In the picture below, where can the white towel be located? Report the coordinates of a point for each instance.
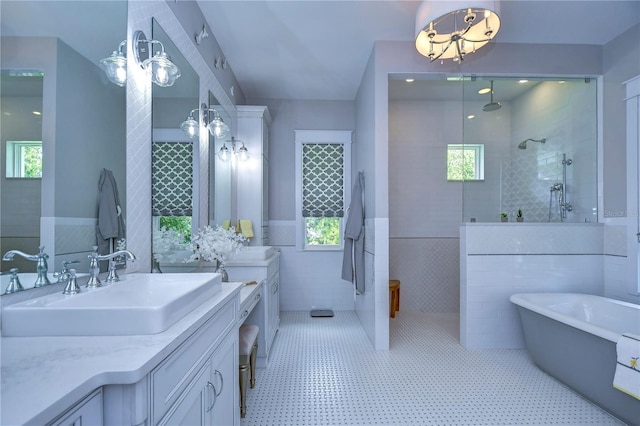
(627, 376)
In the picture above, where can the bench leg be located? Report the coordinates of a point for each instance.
(244, 378)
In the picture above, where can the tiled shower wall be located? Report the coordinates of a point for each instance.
(565, 115)
(428, 269)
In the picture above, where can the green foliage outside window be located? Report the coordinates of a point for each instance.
(461, 164)
(32, 157)
(181, 224)
(323, 231)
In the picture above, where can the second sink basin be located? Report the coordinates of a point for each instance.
(140, 304)
(254, 253)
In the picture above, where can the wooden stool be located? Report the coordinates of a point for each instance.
(394, 288)
(248, 346)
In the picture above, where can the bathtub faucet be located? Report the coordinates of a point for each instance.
(41, 264)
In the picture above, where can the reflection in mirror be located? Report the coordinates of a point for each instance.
(82, 126)
(219, 171)
(174, 161)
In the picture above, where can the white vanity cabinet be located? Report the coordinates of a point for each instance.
(253, 181)
(210, 397)
(265, 315)
(196, 384)
(86, 412)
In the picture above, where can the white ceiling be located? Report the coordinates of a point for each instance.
(310, 49)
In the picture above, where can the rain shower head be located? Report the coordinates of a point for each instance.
(492, 106)
(523, 144)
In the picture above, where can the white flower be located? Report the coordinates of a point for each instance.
(166, 242)
(215, 244)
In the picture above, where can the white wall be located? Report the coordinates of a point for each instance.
(308, 279)
(498, 260)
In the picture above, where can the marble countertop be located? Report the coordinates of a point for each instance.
(42, 376)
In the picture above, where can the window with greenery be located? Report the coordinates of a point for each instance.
(465, 162)
(322, 173)
(172, 190)
(24, 159)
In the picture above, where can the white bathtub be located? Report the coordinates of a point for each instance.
(573, 337)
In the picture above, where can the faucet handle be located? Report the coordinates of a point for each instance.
(72, 284)
(14, 283)
(66, 263)
(112, 276)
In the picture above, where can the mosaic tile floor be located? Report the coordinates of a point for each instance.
(323, 371)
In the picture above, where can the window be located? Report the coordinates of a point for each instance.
(24, 159)
(465, 162)
(172, 193)
(323, 160)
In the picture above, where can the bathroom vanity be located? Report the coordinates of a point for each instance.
(262, 266)
(186, 374)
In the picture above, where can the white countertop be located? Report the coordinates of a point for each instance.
(41, 376)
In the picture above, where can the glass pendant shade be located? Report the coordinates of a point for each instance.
(163, 72)
(224, 153)
(190, 127)
(243, 153)
(217, 127)
(115, 67)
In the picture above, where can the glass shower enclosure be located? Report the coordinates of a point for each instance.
(529, 149)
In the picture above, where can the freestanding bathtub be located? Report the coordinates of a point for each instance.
(573, 338)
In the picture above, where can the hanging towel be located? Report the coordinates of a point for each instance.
(110, 221)
(627, 376)
(226, 224)
(246, 228)
(353, 256)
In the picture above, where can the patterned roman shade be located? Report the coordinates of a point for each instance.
(322, 180)
(172, 178)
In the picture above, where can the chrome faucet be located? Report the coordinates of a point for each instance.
(14, 283)
(94, 268)
(72, 285)
(61, 276)
(41, 264)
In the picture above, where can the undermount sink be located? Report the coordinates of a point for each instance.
(140, 304)
(254, 253)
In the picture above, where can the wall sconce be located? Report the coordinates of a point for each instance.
(115, 66)
(191, 126)
(159, 65)
(241, 153)
(216, 125)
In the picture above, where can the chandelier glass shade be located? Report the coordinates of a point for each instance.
(445, 34)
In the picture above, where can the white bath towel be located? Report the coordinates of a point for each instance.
(627, 376)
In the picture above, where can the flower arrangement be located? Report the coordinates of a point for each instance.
(169, 245)
(215, 244)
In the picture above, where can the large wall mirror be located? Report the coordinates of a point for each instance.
(175, 160)
(220, 207)
(55, 94)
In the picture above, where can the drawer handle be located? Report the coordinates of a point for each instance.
(258, 296)
(245, 313)
(215, 396)
(217, 373)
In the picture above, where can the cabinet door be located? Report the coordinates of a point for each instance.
(86, 412)
(224, 367)
(195, 405)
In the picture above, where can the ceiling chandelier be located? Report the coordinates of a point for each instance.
(445, 34)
